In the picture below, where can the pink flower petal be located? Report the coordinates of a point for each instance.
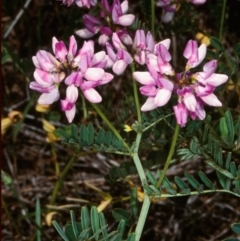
(92, 95)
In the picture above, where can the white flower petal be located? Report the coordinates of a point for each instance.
(149, 105)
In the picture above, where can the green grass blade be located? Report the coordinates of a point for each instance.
(38, 220)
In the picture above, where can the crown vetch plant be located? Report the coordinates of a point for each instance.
(184, 93)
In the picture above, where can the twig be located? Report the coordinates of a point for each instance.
(16, 19)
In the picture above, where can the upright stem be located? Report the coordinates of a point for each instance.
(113, 129)
(153, 18)
(58, 184)
(175, 135)
(135, 92)
(142, 217)
(84, 107)
(146, 201)
(222, 19)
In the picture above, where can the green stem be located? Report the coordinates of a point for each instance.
(57, 171)
(137, 161)
(196, 193)
(135, 92)
(59, 182)
(113, 129)
(153, 18)
(85, 115)
(222, 19)
(146, 201)
(142, 217)
(155, 122)
(170, 154)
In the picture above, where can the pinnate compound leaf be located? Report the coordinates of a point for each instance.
(219, 169)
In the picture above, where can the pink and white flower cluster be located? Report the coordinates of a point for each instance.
(169, 8)
(78, 69)
(109, 20)
(193, 89)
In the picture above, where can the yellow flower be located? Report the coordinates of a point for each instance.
(49, 128)
(13, 117)
(42, 108)
(203, 38)
(127, 128)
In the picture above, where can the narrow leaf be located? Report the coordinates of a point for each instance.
(236, 228)
(195, 184)
(230, 126)
(121, 228)
(219, 169)
(85, 218)
(131, 237)
(155, 190)
(74, 131)
(74, 224)
(233, 169)
(206, 180)
(90, 134)
(151, 178)
(108, 139)
(216, 44)
(94, 220)
(223, 127)
(60, 231)
(120, 214)
(83, 135)
(100, 137)
(103, 224)
(181, 184)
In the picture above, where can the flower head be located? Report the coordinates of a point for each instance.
(81, 70)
